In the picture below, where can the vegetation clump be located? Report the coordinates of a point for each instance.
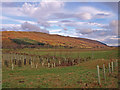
(26, 41)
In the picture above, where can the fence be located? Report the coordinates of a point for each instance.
(110, 68)
(21, 59)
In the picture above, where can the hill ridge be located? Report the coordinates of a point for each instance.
(51, 40)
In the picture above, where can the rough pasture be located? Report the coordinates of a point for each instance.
(72, 69)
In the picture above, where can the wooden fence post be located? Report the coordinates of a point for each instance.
(109, 68)
(104, 72)
(36, 65)
(73, 61)
(12, 66)
(59, 62)
(48, 65)
(112, 66)
(31, 64)
(54, 64)
(98, 75)
(42, 63)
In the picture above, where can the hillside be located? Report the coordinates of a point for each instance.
(18, 39)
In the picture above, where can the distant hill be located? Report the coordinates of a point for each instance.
(19, 39)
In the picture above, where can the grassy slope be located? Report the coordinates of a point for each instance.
(54, 40)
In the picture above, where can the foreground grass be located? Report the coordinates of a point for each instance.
(83, 75)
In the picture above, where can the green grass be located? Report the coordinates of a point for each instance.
(59, 77)
(83, 75)
(99, 54)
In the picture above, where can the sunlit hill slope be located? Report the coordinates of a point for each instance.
(19, 39)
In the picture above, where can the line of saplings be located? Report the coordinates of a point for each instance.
(44, 60)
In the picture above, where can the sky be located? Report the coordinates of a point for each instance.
(92, 20)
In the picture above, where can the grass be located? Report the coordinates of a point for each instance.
(83, 75)
(79, 76)
(74, 53)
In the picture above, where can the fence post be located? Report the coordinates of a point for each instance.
(54, 64)
(12, 66)
(73, 61)
(59, 63)
(42, 63)
(36, 66)
(109, 68)
(112, 66)
(23, 59)
(48, 65)
(104, 72)
(31, 64)
(98, 75)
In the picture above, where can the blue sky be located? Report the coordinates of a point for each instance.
(93, 20)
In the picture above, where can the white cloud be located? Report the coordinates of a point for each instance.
(43, 12)
(56, 30)
(31, 27)
(52, 22)
(26, 26)
(2, 17)
(12, 11)
(114, 38)
(28, 9)
(101, 15)
(84, 25)
(16, 20)
(112, 41)
(97, 24)
(10, 27)
(84, 16)
(84, 30)
(52, 10)
(91, 12)
(114, 26)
